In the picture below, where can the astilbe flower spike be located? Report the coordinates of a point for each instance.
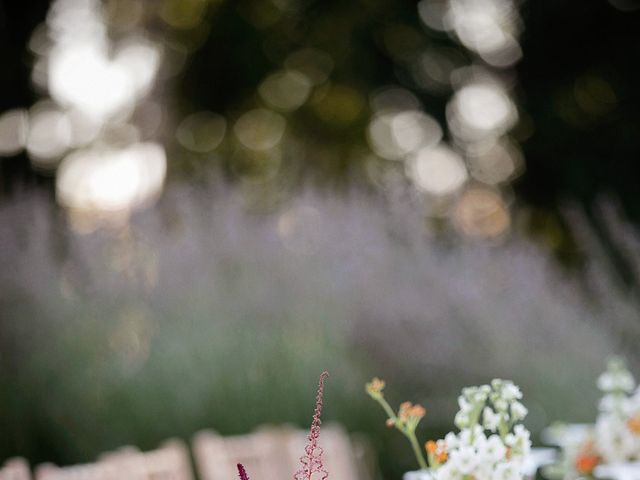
(242, 472)
(312, 459)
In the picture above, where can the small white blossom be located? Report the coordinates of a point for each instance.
(479, 396)
(618, 381)
(618, 471)
(468, 435)
(464, 404)
(493, 449)
(606, 382)
(464, 460)
(501, 405)
(518, 411)
(616, 378)
(507, 471)
(611, 403)
(468, 391)
(479, 441)
(511, 392)
(616, 443)
(451, 440)
(490, 419)
(522, 441)
(626, 382)
(448, 472)
(521, 432)
(484, 471)
(418, 475)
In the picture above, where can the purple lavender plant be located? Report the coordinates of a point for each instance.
(312, 459)
(242, 472)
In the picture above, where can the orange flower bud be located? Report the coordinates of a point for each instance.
(375, 386)
(431, 446)
(586, 463)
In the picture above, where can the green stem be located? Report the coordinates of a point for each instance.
(503, 429)
(474, 419)
(387, 408)
(410, 435)
(416, 449)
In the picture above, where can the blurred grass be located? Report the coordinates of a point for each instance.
(200, 315)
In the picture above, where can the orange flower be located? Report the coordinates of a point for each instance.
(586, 463)
(437, 450)
(408, 411)
(587, 460)
(634, 424)
(442, 457)
(375, 387)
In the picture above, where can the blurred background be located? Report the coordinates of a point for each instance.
(205, 203)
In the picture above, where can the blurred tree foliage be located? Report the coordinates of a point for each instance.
(577, 81)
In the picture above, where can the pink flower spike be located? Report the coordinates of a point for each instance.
(242, 472)
(312, 459)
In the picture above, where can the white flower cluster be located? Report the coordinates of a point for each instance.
(617, 430)
(491, 444)
(502, 395)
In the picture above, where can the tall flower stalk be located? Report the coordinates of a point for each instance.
(312, 459)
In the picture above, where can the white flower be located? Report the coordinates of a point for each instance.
(493, 449)
(468, 391)
(480, 396)
(618, 381)
(448, 472)
(464, 404)
(518, 411)
(501, 405)
(612, 403)
(484, 471)
(451, 440)
(521, 431)
(467, 435)
(471, 452)
(616, 442)
(490, 419)
(606, 381)
(479, 441)
(463, 460)
(418, 475)
(519, 441)
(616, 377)
(511, 392)
(507, 471)
(625, 382)
(618, 471)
